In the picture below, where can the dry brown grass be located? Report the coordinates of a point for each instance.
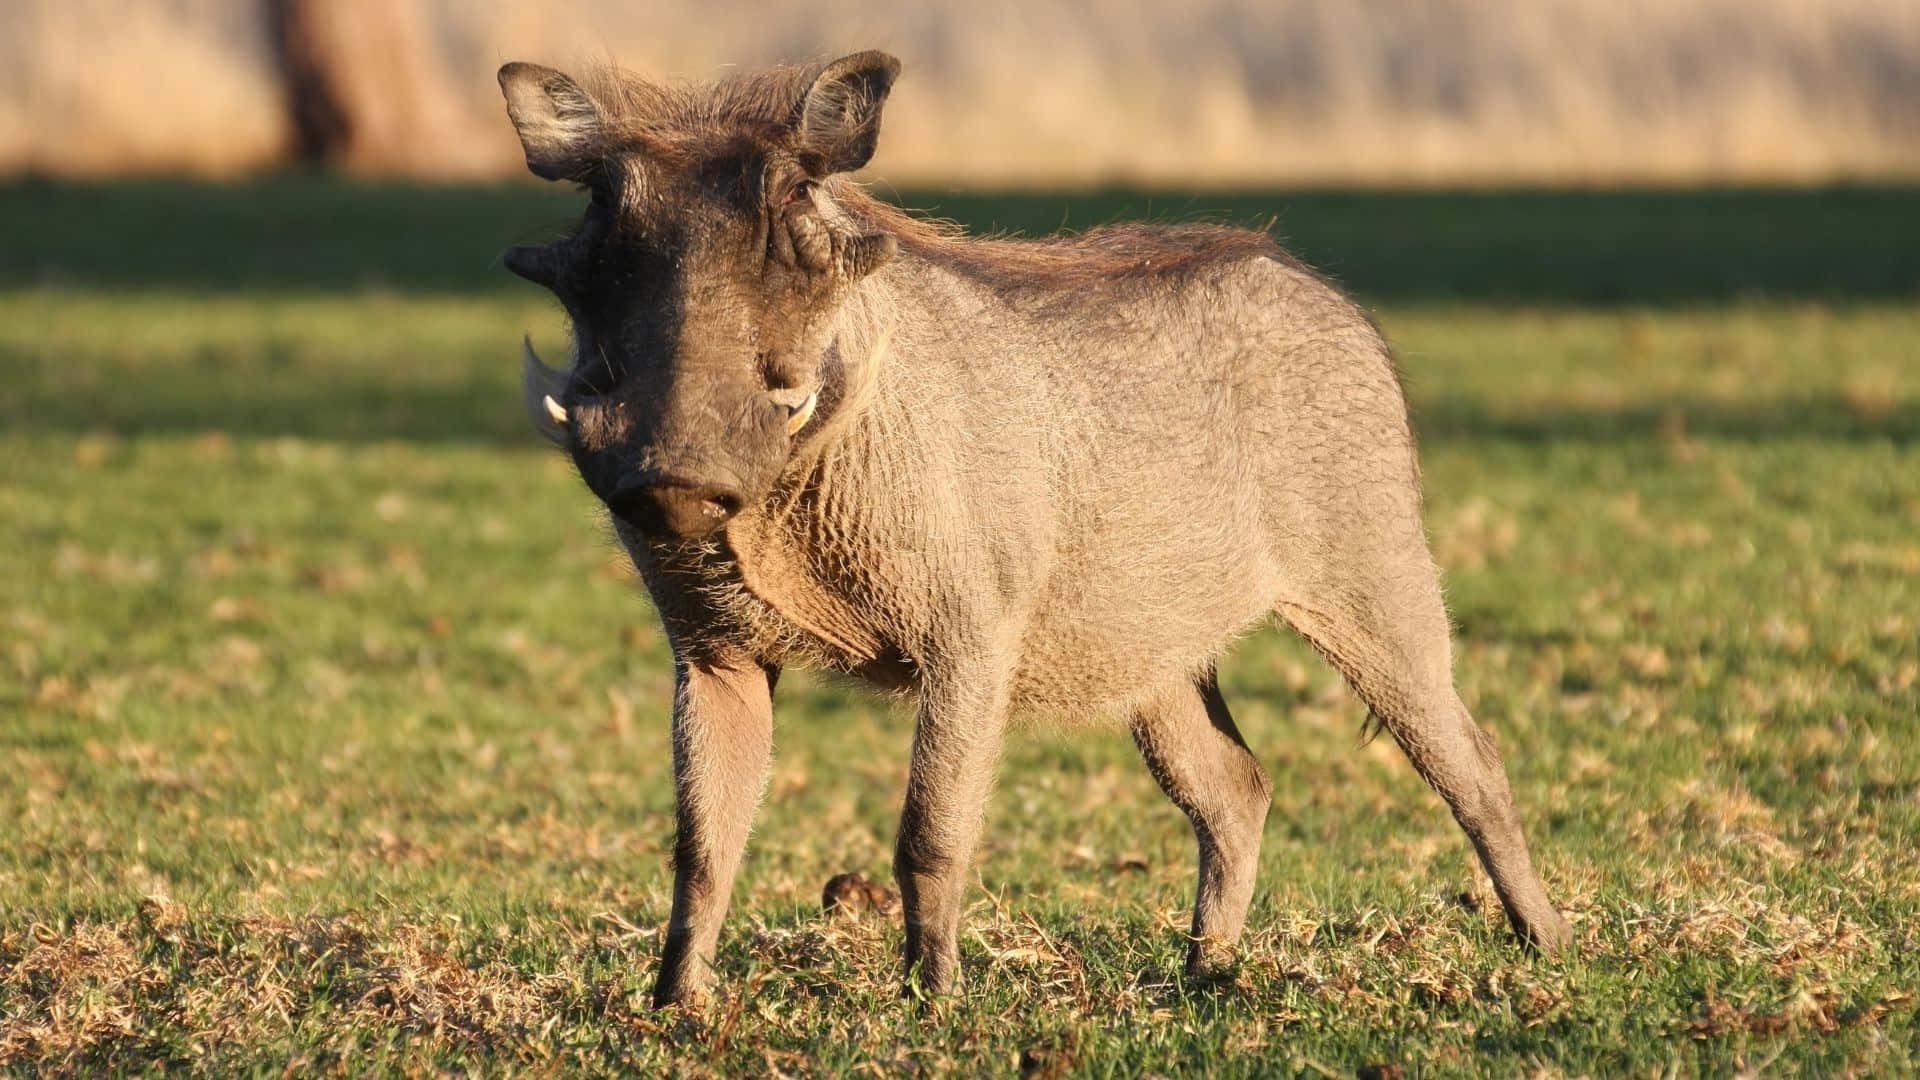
(206, 990)
(1220, 92)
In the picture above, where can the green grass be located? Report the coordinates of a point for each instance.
(332, 729)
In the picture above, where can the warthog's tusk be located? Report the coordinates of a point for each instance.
(554, 410)
(802, 413)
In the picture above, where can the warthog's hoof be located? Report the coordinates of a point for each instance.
(932, 974)
(1210, 961)
(686, 996)
(1550, 936)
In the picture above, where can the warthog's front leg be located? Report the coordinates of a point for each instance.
(722, 738)
(956, 749)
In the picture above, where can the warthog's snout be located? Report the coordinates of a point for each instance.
(674, 505)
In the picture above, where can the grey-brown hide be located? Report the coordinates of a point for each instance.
(1057, 475)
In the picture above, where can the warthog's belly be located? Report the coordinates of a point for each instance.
(1101, 648)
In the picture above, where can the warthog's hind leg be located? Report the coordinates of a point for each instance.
(1200, 761)
(1384, 626)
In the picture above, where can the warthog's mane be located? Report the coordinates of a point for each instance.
(1129, 253)
(690, 121)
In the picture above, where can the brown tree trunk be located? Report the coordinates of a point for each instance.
(366, 88)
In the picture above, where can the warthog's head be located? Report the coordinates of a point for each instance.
(703, 279)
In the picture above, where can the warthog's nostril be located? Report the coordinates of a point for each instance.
(679, 508)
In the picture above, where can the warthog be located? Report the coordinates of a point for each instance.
(1010, 476)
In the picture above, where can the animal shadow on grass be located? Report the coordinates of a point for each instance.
(1825, 416)
(311, 232)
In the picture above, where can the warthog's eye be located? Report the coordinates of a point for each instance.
(800, 192)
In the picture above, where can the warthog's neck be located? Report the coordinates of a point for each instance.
(791, 592)
(923, 489)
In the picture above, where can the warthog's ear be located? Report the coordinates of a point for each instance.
(838, 121)
(557, 121)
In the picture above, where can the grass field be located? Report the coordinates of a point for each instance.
(332, 728)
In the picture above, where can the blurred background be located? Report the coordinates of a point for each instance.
(1209, 93)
